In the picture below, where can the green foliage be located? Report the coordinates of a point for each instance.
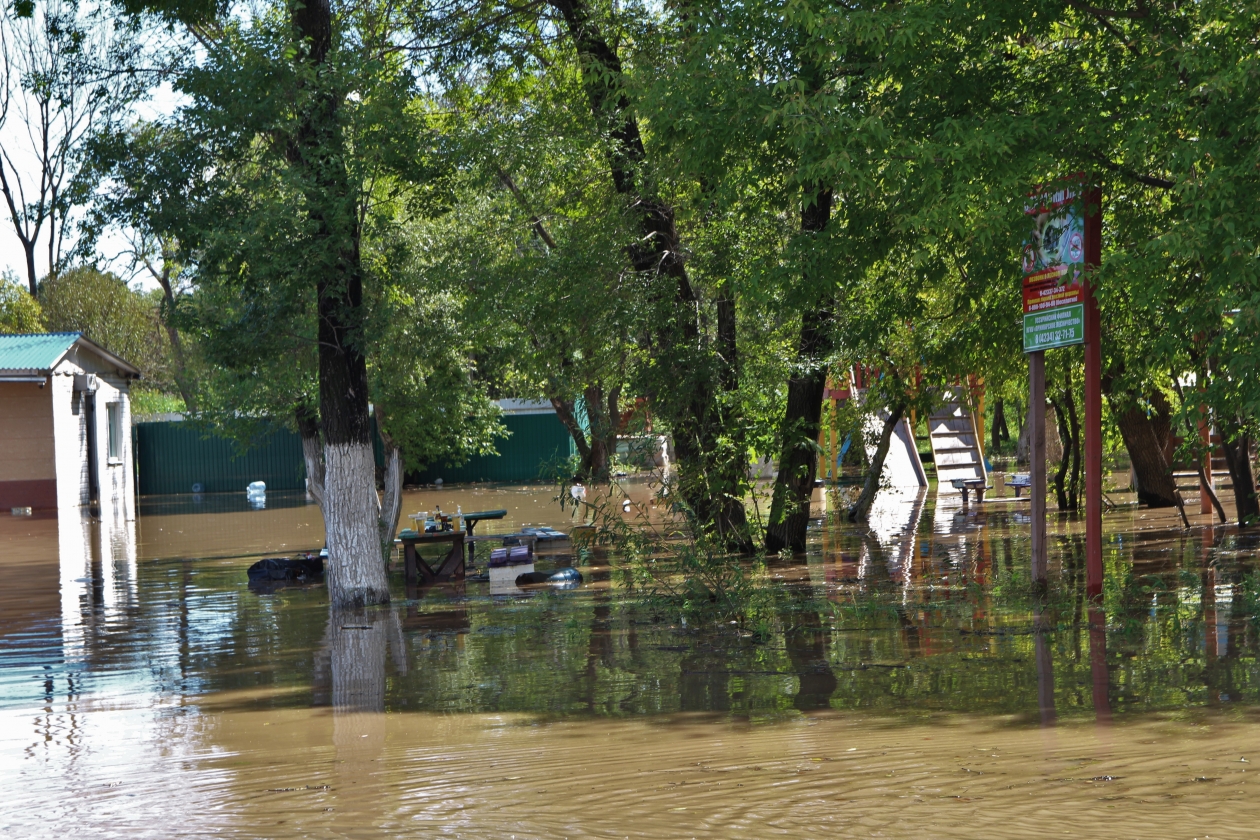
(105, 309)
(223, 182)
(496, 240)
(147, 401)
(19, 312)
(672, 565)
(423, 387)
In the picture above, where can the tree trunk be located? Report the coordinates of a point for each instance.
(351, 508)
(798, 464)
(732, 467)
(1146, 437)
(1237, 446)
(567, 414)
(356, 576)
(1000, 431)
(709, 481)
(596, 448)
(1023, 442)
(391, 496)
(603, 422)
(312, 453)
(1078, 440)
(861, 509)
(1060, 475)
(1067, 480)
(1155, 485)
(182, 381)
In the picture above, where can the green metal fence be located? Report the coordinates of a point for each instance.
(536, 444)
(177, 457)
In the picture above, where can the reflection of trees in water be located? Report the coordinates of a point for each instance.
(805, 639)
(599, 651)
(1177, 636)
(1045, 668)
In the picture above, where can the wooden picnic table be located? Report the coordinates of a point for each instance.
(471, 519)
(470, 522)
(419, 573)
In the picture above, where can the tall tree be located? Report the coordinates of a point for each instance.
(67, 72)
(710, 477)
(282, 162)
(316, 150)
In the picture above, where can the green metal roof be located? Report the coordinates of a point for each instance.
(36, 351)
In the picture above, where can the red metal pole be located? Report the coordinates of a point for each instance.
(1093, 401)
(1205, 435)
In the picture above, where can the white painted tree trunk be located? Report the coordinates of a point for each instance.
(391, 502)
(356, 575)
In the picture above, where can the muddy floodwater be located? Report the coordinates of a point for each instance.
(902, 683)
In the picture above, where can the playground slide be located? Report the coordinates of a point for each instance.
(902, 467)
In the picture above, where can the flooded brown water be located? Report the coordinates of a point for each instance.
(906, 686)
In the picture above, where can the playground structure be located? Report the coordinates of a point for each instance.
(955, 437)
(956, 443)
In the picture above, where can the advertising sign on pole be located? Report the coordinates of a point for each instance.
(1060, 310)
(1054, 269)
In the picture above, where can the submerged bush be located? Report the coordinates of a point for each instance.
(672, 564)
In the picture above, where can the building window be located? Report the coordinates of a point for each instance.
(114, 416)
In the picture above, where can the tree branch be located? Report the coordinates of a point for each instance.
(1101, 13)
(1147, 180)
(539, 229)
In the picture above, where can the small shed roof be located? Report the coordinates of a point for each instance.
(41, 352)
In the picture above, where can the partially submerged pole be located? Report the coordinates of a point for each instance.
(1093, 400)
(1037, 462)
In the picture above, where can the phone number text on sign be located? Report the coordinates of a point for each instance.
(1058, 327)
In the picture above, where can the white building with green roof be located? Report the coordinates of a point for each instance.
(65, 425)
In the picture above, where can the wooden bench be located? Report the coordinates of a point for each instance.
(968, 484)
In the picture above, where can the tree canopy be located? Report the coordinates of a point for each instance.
(691, 214)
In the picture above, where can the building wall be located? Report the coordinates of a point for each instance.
(69, 425)
(28, 475)
(116, 476)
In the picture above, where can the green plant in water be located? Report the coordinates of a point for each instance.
(671, 563)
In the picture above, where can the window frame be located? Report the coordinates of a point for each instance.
(113, 432)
